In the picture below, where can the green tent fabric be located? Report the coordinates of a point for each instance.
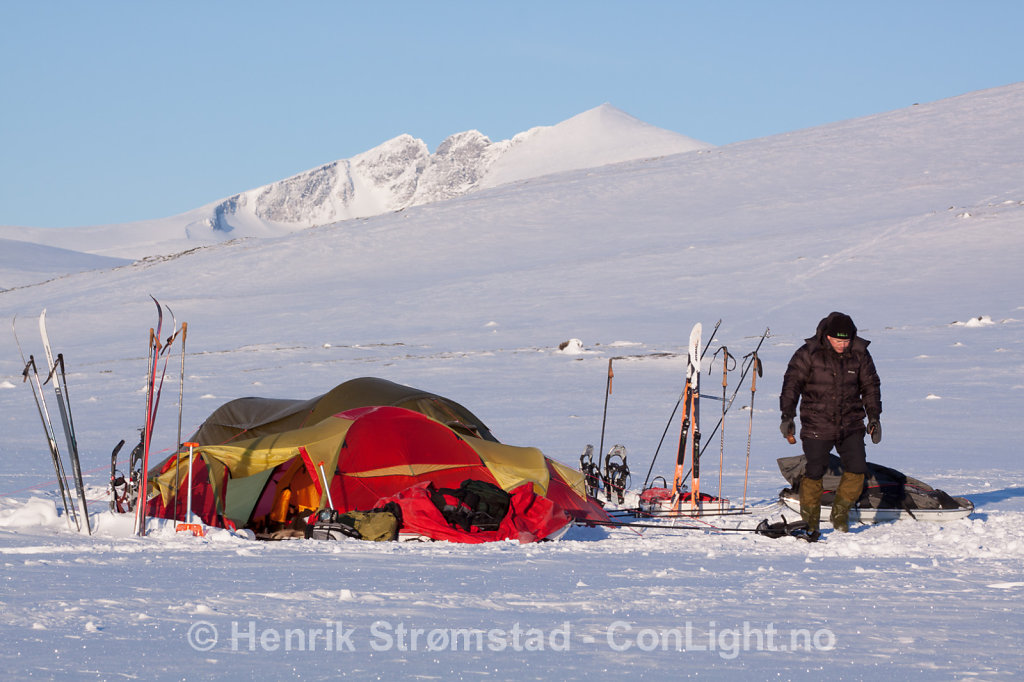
(246, 418)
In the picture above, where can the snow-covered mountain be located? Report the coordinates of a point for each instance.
(395, 175)
(402, 172)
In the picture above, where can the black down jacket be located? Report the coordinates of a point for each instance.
(835, 391)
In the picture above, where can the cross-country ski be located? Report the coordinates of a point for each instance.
(56, 375)
(30, 375)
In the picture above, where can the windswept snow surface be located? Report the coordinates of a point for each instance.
(24, 263)
(911, 221)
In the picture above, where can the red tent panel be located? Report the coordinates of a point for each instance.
(390, 449)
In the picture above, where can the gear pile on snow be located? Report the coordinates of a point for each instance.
(888, 494)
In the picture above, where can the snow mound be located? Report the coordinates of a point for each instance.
(31, 513)
(980, 321)
(571, 347)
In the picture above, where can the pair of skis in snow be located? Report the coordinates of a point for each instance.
(691, 421)
(691, 416)
(138, 486)
(55, 373)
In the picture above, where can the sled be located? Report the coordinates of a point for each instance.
(657, 502)
(888, 495)
(882, 515)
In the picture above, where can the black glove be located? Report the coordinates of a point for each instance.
(875, 429)
(787, 427)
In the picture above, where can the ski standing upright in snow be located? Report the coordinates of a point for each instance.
(154, 360)
(694, 361)
(668, 424)
(60, 387)
(154, 386)
(51, 438)
(690, 391)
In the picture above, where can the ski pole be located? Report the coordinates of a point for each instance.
(743, 375)
(607, 392)
(181, 393)
(177, 477)
(758, 371)
(76, 465)
(707, 528)
(191, 450)
(725, 382)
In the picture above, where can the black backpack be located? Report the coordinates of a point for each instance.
(473, 503)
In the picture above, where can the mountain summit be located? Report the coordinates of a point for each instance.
(402, 172)
(597, 137)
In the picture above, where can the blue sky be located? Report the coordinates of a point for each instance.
(120, 111)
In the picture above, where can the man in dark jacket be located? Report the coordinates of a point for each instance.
(833, 378)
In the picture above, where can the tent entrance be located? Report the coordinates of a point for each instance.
(289, 492)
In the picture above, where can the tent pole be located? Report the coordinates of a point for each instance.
(327, 486)
(191, 447)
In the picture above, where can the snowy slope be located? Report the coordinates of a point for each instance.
(397, 174)
(909, 220)
(23, 263)
(594, 138)
(130, 241)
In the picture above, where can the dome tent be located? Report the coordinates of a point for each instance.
(269, 467)
(245, 418)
